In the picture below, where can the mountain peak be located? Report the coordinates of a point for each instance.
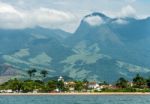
(103, 16)
(96, 19)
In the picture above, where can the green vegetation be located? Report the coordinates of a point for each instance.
(44, 73)
(79, 86)
(138, 84)
(139, 81)
(122, 83)
(31, 72)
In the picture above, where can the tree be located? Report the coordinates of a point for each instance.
(79, 85)
(122, 83)
(28, 86)
(52, 85)
(13, 84)
(31, 72)
(139, 81)
(44, 73)
(85, 84)
(148, 82)
(105, 83)
(85, 81)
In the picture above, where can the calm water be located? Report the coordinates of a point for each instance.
(75, 99)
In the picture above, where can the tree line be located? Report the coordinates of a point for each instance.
(137, 84)
(32, 72)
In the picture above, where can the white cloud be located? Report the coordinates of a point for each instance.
(130, 1)
(9, 16)
(7, 8)
(120, 21)
(94, 20)
(51, 18)
(12, 18)
(127, 11)
(30, 13)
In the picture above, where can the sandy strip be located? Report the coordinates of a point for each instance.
(45, 94)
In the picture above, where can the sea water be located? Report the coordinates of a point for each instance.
(100, 99)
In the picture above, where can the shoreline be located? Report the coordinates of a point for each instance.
(67, 94)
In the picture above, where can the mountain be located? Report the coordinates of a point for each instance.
(32, 48)
(125, 40)
(102, 48)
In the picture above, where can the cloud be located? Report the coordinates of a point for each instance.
(120, 21)
(9, 16)
(67, 13)
(12, 18)
(94, 20)
(127, 11)
(51, 18)
(130, 1)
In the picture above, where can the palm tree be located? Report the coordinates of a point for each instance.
(44, 73)
(31, 72)
(122, 83)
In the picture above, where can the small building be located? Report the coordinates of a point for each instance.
(57, 90)
(61, 78)
(109, 86)
(93, 85)
(70, 86)
(2, 91)
(130, 84)
(6, 91)
(35, 91)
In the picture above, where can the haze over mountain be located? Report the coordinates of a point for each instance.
(102, 48)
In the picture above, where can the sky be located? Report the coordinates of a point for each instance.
(65, 14)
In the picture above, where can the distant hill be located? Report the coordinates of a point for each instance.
(102, 48)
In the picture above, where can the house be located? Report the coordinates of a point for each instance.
(93, 85)
(56, 90)
(109, 86)
(6, 91)
(130, 84)
(70, 86)
(2, 91)
(35, 91)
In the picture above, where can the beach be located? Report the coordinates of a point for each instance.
(103, 93)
